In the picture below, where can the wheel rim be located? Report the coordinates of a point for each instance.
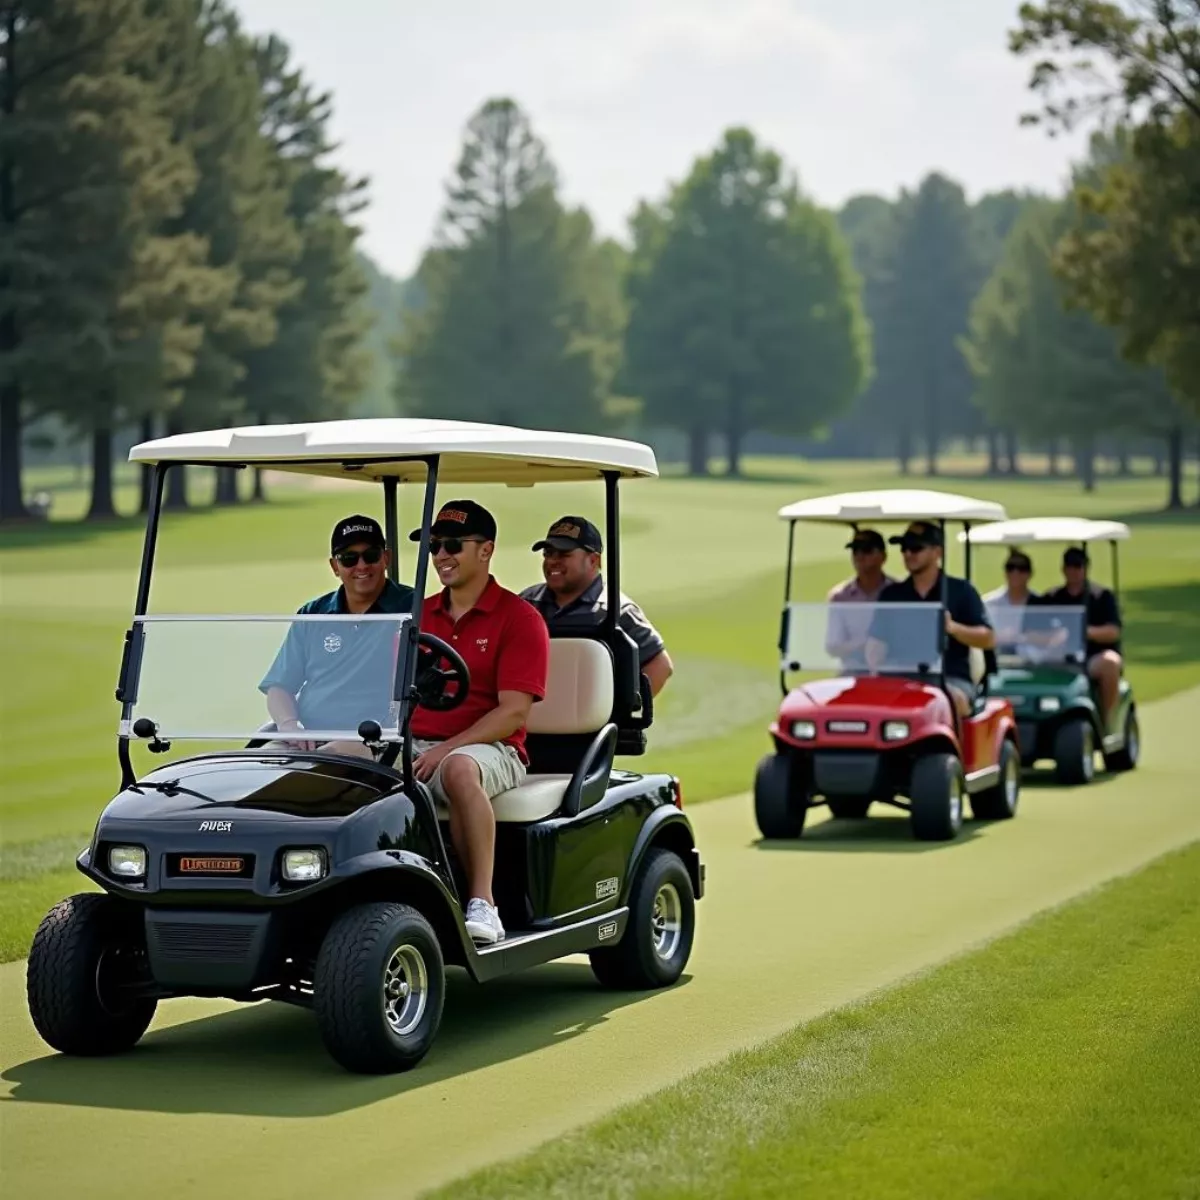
(666, 921)
(1012, 783)
(1088, 762)
(956, 801)
(110, 970)
(405, 989)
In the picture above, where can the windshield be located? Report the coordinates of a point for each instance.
(1033, 634)
(226, 678)
(863, 637)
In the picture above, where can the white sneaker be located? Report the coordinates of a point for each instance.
(483, 922)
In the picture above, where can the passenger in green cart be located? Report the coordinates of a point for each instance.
(1103, 632)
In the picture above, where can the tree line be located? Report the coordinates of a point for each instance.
(179, 253)
(177, 248)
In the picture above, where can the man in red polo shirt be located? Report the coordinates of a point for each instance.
(475, 751)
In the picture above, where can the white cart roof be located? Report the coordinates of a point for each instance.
(1035, 530)
(895, 504)
(375, 448)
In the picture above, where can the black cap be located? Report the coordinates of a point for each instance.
(350, 531)
(919, 533)
(1020, 560)
(461, 518)
(1075, 556)
(866, 539)
(572, 533)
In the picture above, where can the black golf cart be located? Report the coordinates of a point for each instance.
(328, 880)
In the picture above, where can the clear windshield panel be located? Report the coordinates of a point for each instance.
(863, 638)
(1035, 634)
(223, 678)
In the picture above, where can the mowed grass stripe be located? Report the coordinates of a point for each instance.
(1063, 1059)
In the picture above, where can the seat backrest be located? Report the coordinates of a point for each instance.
(579, 689)
(977, 664)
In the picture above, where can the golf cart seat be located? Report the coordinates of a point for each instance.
(577, 708)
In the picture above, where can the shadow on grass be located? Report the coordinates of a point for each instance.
(1042, 779)
(45, 535)
(1162, 623)
(878, 835)
(268, 1059)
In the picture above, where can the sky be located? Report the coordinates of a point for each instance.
(856, 95)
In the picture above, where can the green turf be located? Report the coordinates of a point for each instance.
(1063, 1060)
(703, 557)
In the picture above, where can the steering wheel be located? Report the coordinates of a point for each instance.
(431, 682)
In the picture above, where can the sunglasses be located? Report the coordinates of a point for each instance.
(915, 547)
(349, 558)
(1018, 567)
(451, 545)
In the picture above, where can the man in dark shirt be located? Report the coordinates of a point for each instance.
(966, 618)
(574, 595)
(336, 675)
(1103, 631)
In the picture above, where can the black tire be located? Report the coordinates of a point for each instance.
(936, 793)
(779, 805)
(1075, 752)
(81, 952)
(999, 803)
(658, 939)
(350, 996)
(1127, 757)
(849, 808)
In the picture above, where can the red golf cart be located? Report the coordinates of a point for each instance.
(866, 715)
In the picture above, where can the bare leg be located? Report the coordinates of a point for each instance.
(1105, 669)
(472, 822)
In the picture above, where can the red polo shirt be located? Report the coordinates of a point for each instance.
(506, 646)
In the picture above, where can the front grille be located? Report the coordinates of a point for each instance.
(212, 942)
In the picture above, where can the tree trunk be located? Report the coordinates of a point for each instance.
(698, 450)
(227, 486)
(904, 451)
(176, 489)
(147, 471)
(1052, 457)
(1175, 458)
(1124, 470)
(993, 452)
(1160, 460)
(12, 502)
(931, 454)
(101, 507)
(1012, 451)
(1085, 464)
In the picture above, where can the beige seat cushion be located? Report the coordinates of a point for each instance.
(540, 796)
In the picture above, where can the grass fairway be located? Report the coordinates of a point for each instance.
(703, 557)
(1062, 1060)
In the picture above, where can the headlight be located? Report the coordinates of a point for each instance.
(804, 730)
(1049, 704)
(303, 866)
(129, 862)
(895, 731)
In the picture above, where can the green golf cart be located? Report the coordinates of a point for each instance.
(1041, 660)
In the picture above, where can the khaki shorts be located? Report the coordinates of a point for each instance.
(500, 767)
